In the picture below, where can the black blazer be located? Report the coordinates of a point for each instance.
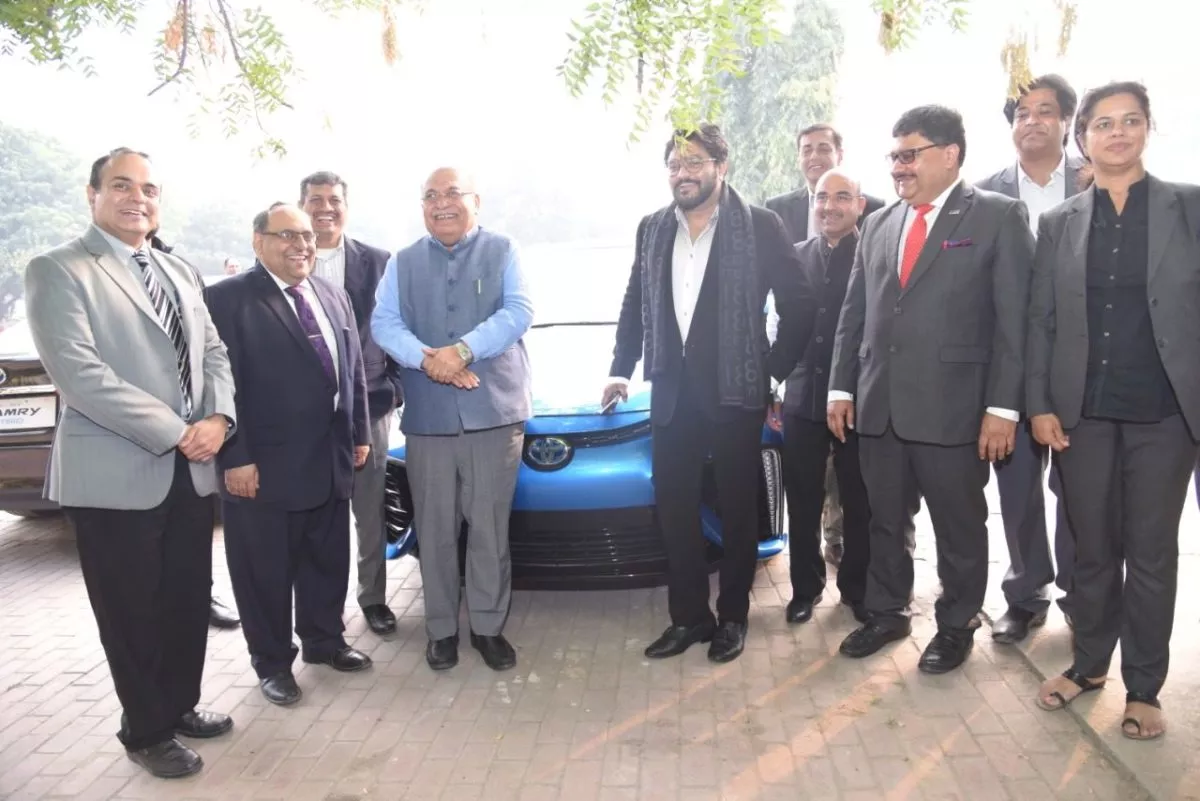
(930, 358)
(364, 269)
(792, 208)
(287, 423)
(1057, 349)
(779, 273)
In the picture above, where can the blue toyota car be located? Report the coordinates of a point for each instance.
(583, 513)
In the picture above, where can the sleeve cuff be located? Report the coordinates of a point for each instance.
(1007, 414)
(838, 395)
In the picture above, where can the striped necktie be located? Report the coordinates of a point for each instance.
(168, 315)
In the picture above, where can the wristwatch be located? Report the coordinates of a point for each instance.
(464, 351)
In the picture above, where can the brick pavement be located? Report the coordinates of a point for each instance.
(584, 716)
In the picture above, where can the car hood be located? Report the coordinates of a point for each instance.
(573, 398)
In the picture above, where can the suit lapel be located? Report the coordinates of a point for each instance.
(802, 206)
(1162, 216)
(1079, 227)
(277, 303)
(121, 274)
(333, 312)
(1008, 183)
(957, 206)
(354, 273)
(891, 234)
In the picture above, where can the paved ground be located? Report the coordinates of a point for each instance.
(584, 715)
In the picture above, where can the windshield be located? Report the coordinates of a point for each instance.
(572, 283)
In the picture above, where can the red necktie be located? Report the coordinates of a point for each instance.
(914, 243)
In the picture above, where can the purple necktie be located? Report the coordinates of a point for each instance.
(308, 321)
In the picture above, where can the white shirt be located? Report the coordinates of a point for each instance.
(931, 216)
(323, 323)
(1040, 199)
(688, 264)
(812, 216)
(331, 263)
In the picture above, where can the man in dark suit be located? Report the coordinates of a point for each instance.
(818, 150)
(807, 442)
(694, 309)
(928, 368)
(1042, 177)
(289, 470)
(357, 268)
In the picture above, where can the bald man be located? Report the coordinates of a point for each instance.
(452, 309)
(807, 442)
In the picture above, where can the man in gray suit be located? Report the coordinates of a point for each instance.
(1043, 176)
(928, 368)
(124, 334)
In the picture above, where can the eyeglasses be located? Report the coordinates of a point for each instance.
(839, 197)
(307, 237)
(907, 156)
(691, 164)
(431, 197)
(1105, 125)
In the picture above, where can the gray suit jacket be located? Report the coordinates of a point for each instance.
(930, 358)
(1057, 349)
(1006, 181)
(115, 369)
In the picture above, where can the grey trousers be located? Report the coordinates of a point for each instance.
(471, 476)
(831, 513)
(367, 505)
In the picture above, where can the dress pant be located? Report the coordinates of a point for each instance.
(148, 575)
(806, 449)
(271, 553)
(679, 451)
(471, 476)
(1125, 485)
(1020, 480)
(367, 504)
(1064, 544)
(831, 513)
(951, 479)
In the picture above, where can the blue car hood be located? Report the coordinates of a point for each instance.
(568, 397)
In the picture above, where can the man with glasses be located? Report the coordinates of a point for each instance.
(289, 470)
(694, 314)
(807, 443)
(928, 370)
(452, 310)
(818, 150)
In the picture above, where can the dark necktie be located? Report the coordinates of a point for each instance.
(168, 316)
(308, 321)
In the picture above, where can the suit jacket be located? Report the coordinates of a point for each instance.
(778, 272)
(302, 445)
(364, 269)
(115, 368)
(1007, 182)
(930, 358)
(1057, 350)
(792, 208)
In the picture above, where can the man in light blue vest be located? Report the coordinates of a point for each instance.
(451, 310)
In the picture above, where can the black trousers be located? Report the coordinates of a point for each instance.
(679, 450)
(1125, 485)
(272, 552)
(951, 479)
(148, 574)
(806, 446)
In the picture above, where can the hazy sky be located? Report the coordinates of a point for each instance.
(476, 85)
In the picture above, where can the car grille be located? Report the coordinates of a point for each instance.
(613, 436)
(612, 542)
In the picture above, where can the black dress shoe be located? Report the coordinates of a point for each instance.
(946, 651)
(677, 639)
(442, 654)
(874, 635)
(728, 642)
(800, 610)
(859, 608)
(1014, 625)
(495, 650)
(380, 618)
(280, 689)
(169, 759)
(221, 616)
(347, 660)
(203, 725)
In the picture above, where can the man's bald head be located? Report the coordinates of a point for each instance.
(451, 204)
(838, 203)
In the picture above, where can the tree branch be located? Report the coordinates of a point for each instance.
(223, 10)
(182, 12)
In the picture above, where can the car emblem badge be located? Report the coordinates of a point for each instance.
(548, 451)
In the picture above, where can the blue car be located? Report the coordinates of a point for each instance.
(583, 512)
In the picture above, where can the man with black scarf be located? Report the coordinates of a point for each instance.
(702, 270)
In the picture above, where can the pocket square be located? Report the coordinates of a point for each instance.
(956, 243)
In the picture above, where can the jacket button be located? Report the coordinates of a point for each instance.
(1153, 301)
(820, 340)
(821, 310)
(891, 349)
(451, 307)
(450, 281)
(896, 310)
(452, 334)
(819, 371)
(1162, 343)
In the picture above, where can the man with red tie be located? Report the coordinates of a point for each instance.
(928, 369)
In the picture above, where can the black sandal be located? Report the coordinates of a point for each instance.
(1148, 700)
(1081, 681)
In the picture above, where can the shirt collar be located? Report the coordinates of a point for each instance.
(340, 248)
(122, 251)
(467, 239)
(941, 199)
(1059, 172)
(283, 285)
(681, 218)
